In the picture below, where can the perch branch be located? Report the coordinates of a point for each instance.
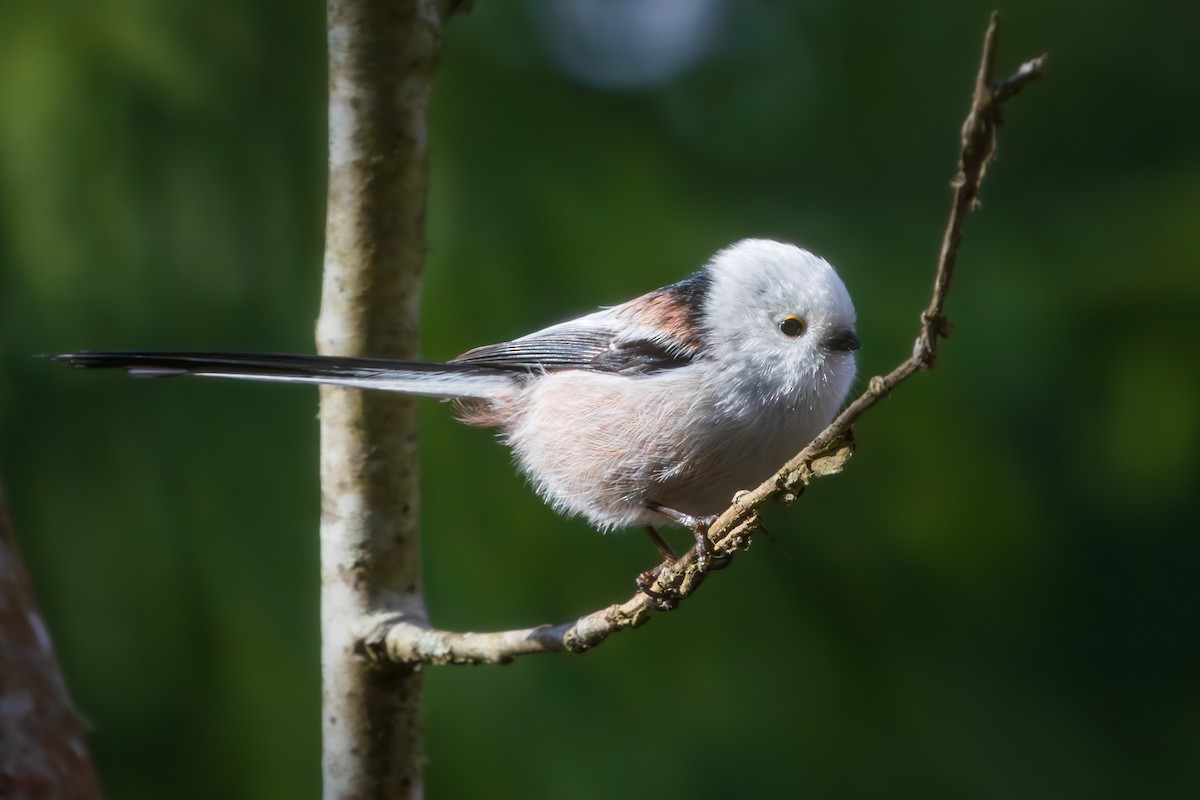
(408, 641)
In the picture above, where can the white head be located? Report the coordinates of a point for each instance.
(780, 322)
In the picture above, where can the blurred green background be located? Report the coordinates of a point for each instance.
(999, 597)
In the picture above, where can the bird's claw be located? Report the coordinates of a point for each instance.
(705, 560)
(658, 600)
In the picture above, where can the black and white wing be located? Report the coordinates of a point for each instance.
(657, 331)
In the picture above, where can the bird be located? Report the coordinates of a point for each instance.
(654, 411)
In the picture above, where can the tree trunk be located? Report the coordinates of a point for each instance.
(382, 56)
(43, 751)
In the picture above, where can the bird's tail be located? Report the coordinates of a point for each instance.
(452, 380)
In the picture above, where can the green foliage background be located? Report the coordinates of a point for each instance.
(998, 599)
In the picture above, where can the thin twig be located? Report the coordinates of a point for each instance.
(409, 641)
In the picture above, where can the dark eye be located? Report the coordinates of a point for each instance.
(792, 326)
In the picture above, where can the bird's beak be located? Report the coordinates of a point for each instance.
(841, 340)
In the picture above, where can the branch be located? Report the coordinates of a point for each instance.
(382, 57)
(43, 749)
(407, 640)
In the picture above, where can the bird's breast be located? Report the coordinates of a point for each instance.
(602, 445)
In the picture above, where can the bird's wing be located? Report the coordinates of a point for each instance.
(645, 335)
(591, 349)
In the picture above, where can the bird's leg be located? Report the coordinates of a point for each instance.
(662, 601)
(699, 527)
(661, 544)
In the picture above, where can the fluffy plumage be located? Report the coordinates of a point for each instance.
(675, 399)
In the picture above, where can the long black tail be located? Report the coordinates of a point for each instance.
(409, 377)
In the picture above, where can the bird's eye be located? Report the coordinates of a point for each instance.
(792, 326)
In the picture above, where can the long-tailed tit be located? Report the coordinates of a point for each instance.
(658, 409)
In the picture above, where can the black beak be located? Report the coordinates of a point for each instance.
(841, 340)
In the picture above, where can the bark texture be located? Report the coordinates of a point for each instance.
(43, 750)
(382, 56)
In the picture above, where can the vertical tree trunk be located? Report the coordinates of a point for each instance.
(43, 752)
(382, 56)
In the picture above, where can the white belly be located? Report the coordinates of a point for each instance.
(602, 445)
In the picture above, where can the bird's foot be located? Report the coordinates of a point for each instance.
(659, 600)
